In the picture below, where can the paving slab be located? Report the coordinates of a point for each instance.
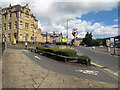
(19, 71)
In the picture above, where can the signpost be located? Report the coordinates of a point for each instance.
(108, 44)
(64, 39)
(112, 42)
(32, 38)
(74, 33)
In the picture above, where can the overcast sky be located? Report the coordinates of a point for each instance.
(98, 17)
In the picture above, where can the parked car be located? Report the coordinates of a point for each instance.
(48, 46)
(101, 46)
(93, 47)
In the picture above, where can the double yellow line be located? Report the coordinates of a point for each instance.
(106, 69)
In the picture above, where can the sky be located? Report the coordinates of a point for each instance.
(99, 17)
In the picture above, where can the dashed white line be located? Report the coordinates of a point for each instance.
(37, 57)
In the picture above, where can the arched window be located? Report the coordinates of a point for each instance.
(26, 13)
(10, 14)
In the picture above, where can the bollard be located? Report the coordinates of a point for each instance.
(108, 49)
(88, 62)
(65, 60)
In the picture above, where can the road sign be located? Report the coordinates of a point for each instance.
(74, 33)
(32, 38)
(64, 39)
(107, 42)
(112, 42)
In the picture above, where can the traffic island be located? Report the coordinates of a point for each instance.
(63, 55)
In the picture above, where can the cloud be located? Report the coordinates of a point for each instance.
(48, 12)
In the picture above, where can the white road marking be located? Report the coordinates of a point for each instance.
(90, 72)
(37, 57)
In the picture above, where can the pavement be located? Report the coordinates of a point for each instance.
(19, 71)
(111, 52)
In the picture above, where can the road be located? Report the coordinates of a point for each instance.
(70, 69)
(102, 58)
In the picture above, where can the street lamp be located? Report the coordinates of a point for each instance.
(67, 29)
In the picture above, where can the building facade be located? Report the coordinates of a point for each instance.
(18, 25)
(51, 37)
(78, 41)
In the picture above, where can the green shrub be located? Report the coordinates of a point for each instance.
(83, 57)
(64, 52)
(61, 43)
(67, 52)
(58, 43)
(40, 48)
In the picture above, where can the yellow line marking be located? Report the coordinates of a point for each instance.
(96, 64)
(105, 68)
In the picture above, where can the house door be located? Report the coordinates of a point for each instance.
(14, 39)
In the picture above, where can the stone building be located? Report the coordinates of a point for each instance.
(19, 24)
(51, 37)
(78, 41)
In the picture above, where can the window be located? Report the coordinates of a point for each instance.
(9, 25)
(16, 14)
(4, 26)
(0, 16)
(26, 37)
(10, 15)
(5, 17)
(21, 14)
(31, 28)
(9, 37)
(26, 15)
(26, 26)
(20, 24)
(5, 11)
(14, 8)
(35, 30)
(15, 24)
(20, 37)
(0, 27)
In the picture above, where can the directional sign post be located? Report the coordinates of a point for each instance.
(32, 38)
(74, 33)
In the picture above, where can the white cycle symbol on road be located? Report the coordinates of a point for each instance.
(91, 72)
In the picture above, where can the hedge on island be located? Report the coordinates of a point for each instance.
(84, 59)
(64, 52)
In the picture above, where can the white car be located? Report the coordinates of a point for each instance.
(93, 47)
(100, 46)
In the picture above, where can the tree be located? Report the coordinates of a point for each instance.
(88, 39)
(96, 42)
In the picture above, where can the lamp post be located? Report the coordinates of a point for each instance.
(67, 29)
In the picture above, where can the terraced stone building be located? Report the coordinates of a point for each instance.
(19, 24)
